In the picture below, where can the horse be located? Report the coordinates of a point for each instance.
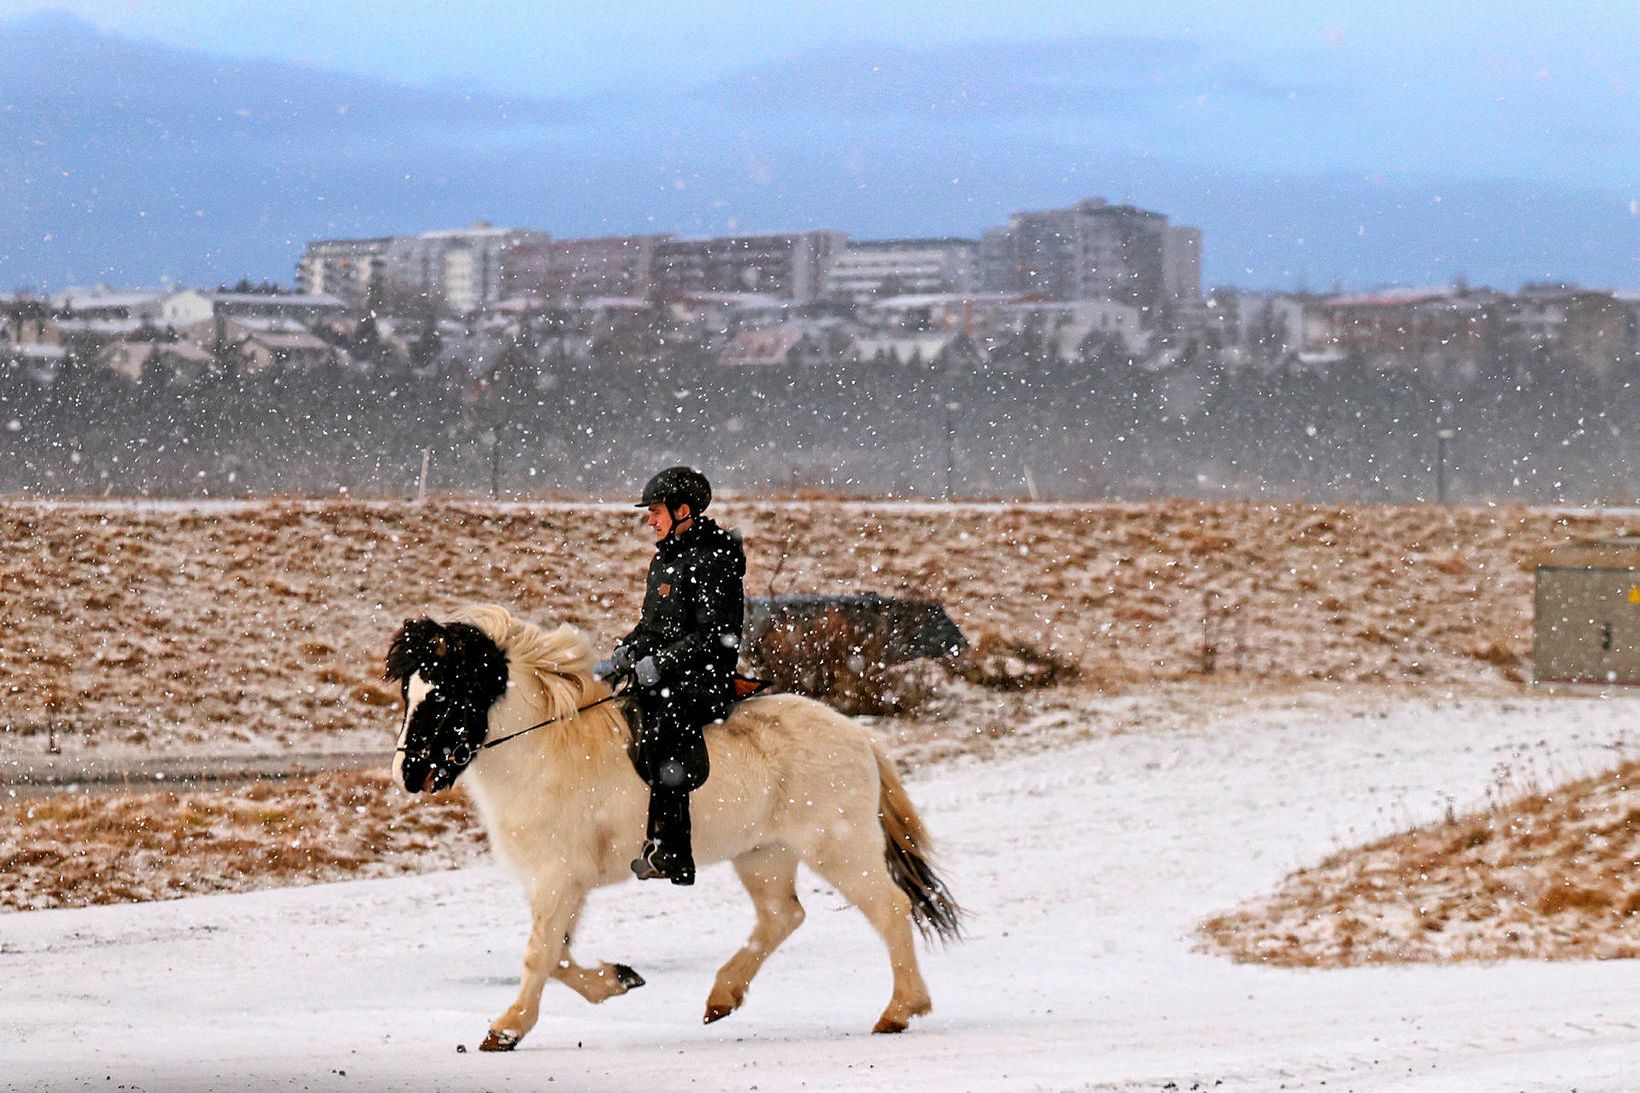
(543, 749)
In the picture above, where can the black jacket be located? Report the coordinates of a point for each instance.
(694, 605)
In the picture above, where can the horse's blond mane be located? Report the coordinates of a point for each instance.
(560, 660)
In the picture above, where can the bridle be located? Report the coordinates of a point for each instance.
(466, 751)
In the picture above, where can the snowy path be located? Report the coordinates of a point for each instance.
(1086, 871)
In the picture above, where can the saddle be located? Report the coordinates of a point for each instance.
(632, 709)
(746, 687)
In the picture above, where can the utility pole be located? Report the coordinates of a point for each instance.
(950, 447)
(495, 464)
(1441, 437)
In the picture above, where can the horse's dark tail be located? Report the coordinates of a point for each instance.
(934, 912)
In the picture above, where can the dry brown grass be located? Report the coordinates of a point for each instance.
(260, 628)
(1543, 876)
(208, 627)
(72, 851)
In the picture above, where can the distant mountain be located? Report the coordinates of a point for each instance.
(126, 162)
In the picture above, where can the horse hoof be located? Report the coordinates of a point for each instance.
(628, 978)
(716, 1013)
(888, 1025)
(499, 1041)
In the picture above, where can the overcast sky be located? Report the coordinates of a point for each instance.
(1533, 101)
(1508, 89)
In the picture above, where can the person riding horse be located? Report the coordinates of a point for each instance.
(680, 659)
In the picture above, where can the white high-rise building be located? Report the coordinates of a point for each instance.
(344, 268)
(1097, 251)
(458, 269)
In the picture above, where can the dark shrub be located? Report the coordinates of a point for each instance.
(843, 662)
(1006, 665)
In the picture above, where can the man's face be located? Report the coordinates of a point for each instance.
(661, 520)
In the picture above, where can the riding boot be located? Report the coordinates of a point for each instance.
(666, 851)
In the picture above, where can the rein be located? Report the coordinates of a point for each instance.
(549, 721)
(473, 751)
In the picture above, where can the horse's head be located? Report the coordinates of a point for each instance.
(450, 675)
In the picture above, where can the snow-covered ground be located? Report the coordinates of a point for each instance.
(1086, 871)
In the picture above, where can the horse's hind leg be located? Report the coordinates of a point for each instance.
(858, 872)
(553, 914)
(770, 876)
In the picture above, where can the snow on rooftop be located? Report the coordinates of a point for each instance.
(937, 299)
(745, 300)
(268, 324)
(481, 230)
(614, 303)
(83, 300)
(290, 341)
(277, 299)
(98, 326)
(1390, 297)
(33, 351)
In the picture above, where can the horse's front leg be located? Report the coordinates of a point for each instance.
(554, 907)
(598, 984)
(595, 984)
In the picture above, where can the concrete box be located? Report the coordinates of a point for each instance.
(1586, 613)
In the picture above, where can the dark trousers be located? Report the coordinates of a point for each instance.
(668, 826)
(671, 758)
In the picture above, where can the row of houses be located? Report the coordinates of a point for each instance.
(1450, 329)
(1454, 327)
(134, 334)
(1090, 251)
(188, 332)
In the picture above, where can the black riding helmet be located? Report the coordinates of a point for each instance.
(678, 486)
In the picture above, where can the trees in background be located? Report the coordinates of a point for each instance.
(526, 416)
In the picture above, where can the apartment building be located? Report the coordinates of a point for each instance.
(347, 269)
(1097, 251)
(574, 270)
(787, 265)
(874, 269)
(458, 269)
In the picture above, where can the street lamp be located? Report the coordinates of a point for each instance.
(1441, 437)
(950, 446)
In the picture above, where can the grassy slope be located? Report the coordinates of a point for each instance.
(183, 630)
(1547, 876)
(261, 627)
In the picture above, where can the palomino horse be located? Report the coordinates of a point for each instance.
(509, 708)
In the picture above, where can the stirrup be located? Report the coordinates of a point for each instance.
(644, 869)
(647, 866)
(644, 866)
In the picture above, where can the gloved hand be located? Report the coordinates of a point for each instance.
(647, 672)
(619, 663)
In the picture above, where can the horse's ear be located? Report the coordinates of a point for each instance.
(406, 652)
(394, 663)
